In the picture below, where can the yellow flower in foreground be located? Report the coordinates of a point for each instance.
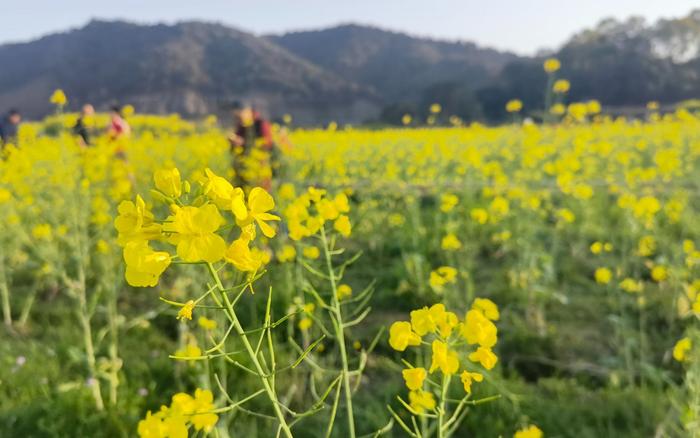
(557, 109)
(421, 401)
(659, 273)
(206, 323)
(448, 201)
(343, 226)
(305, 323)
(566, 215)
(479, 215)
(42, 232)
(153, 427)
(631, 286)
(681, 349)
(168, 181)
(396, 219)
(594, 107)
(434, 319)
(414, 377)
(487, 307)
(561, 86)
(286, 254)
(259, 203)
(514, 106)
(529, 432)
(218, 189)
(128, 110)
(193, 231)
(478, 329)
(444, 359)
(135, 222)
(58, 98)
(344, 291)
(450, 243)
(485, 357)
(186, 311)
(102, 246)
(286, 191)
(603, 275)
(240, 255)
(551, 65)
(442, 276)
(401, 336)
(342, 203)
(326, 209)
(467, 378)
(201, 417)
(143, 265)
(646, 246)
(422, 321)
(406, 119)
(189, 351)
(311, 252)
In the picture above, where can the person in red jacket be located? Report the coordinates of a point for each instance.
(252, 147)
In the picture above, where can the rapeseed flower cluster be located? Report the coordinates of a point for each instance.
(447, 336)
(184, 412)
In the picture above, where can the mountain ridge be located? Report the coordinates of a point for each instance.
(349, 73)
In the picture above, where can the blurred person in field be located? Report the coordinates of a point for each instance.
(9, 126)
(118, 132)
(252, 147)
(118, 126)
(82, 125)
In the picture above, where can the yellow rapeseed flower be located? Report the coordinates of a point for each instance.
(467, 378)
(168, 181)
(59, 98)
(551, 65)
(420, 401)
(193, 230)
(143, 265)
(485, 357)
(514, 106)
(206, 323)
(401, 336)
(603, 275)
(529, 432)
(414, 377)
(344, 291)
(561, 86)
(444, 359)
(681, 349)
(186, 310)
(478, 329)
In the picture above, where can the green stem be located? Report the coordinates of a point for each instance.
(112, 317)
(87, 341)
(546, 117)
(340, 335)
(27, 308)
(443, 403)
(5, 293)
(251, 352)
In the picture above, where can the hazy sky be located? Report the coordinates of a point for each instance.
(520, 25)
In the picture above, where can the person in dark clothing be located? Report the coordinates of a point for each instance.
(252, 147)
(81, 128)
(250, 127)
(9, 127)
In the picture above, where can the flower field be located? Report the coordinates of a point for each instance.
(520, 280)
